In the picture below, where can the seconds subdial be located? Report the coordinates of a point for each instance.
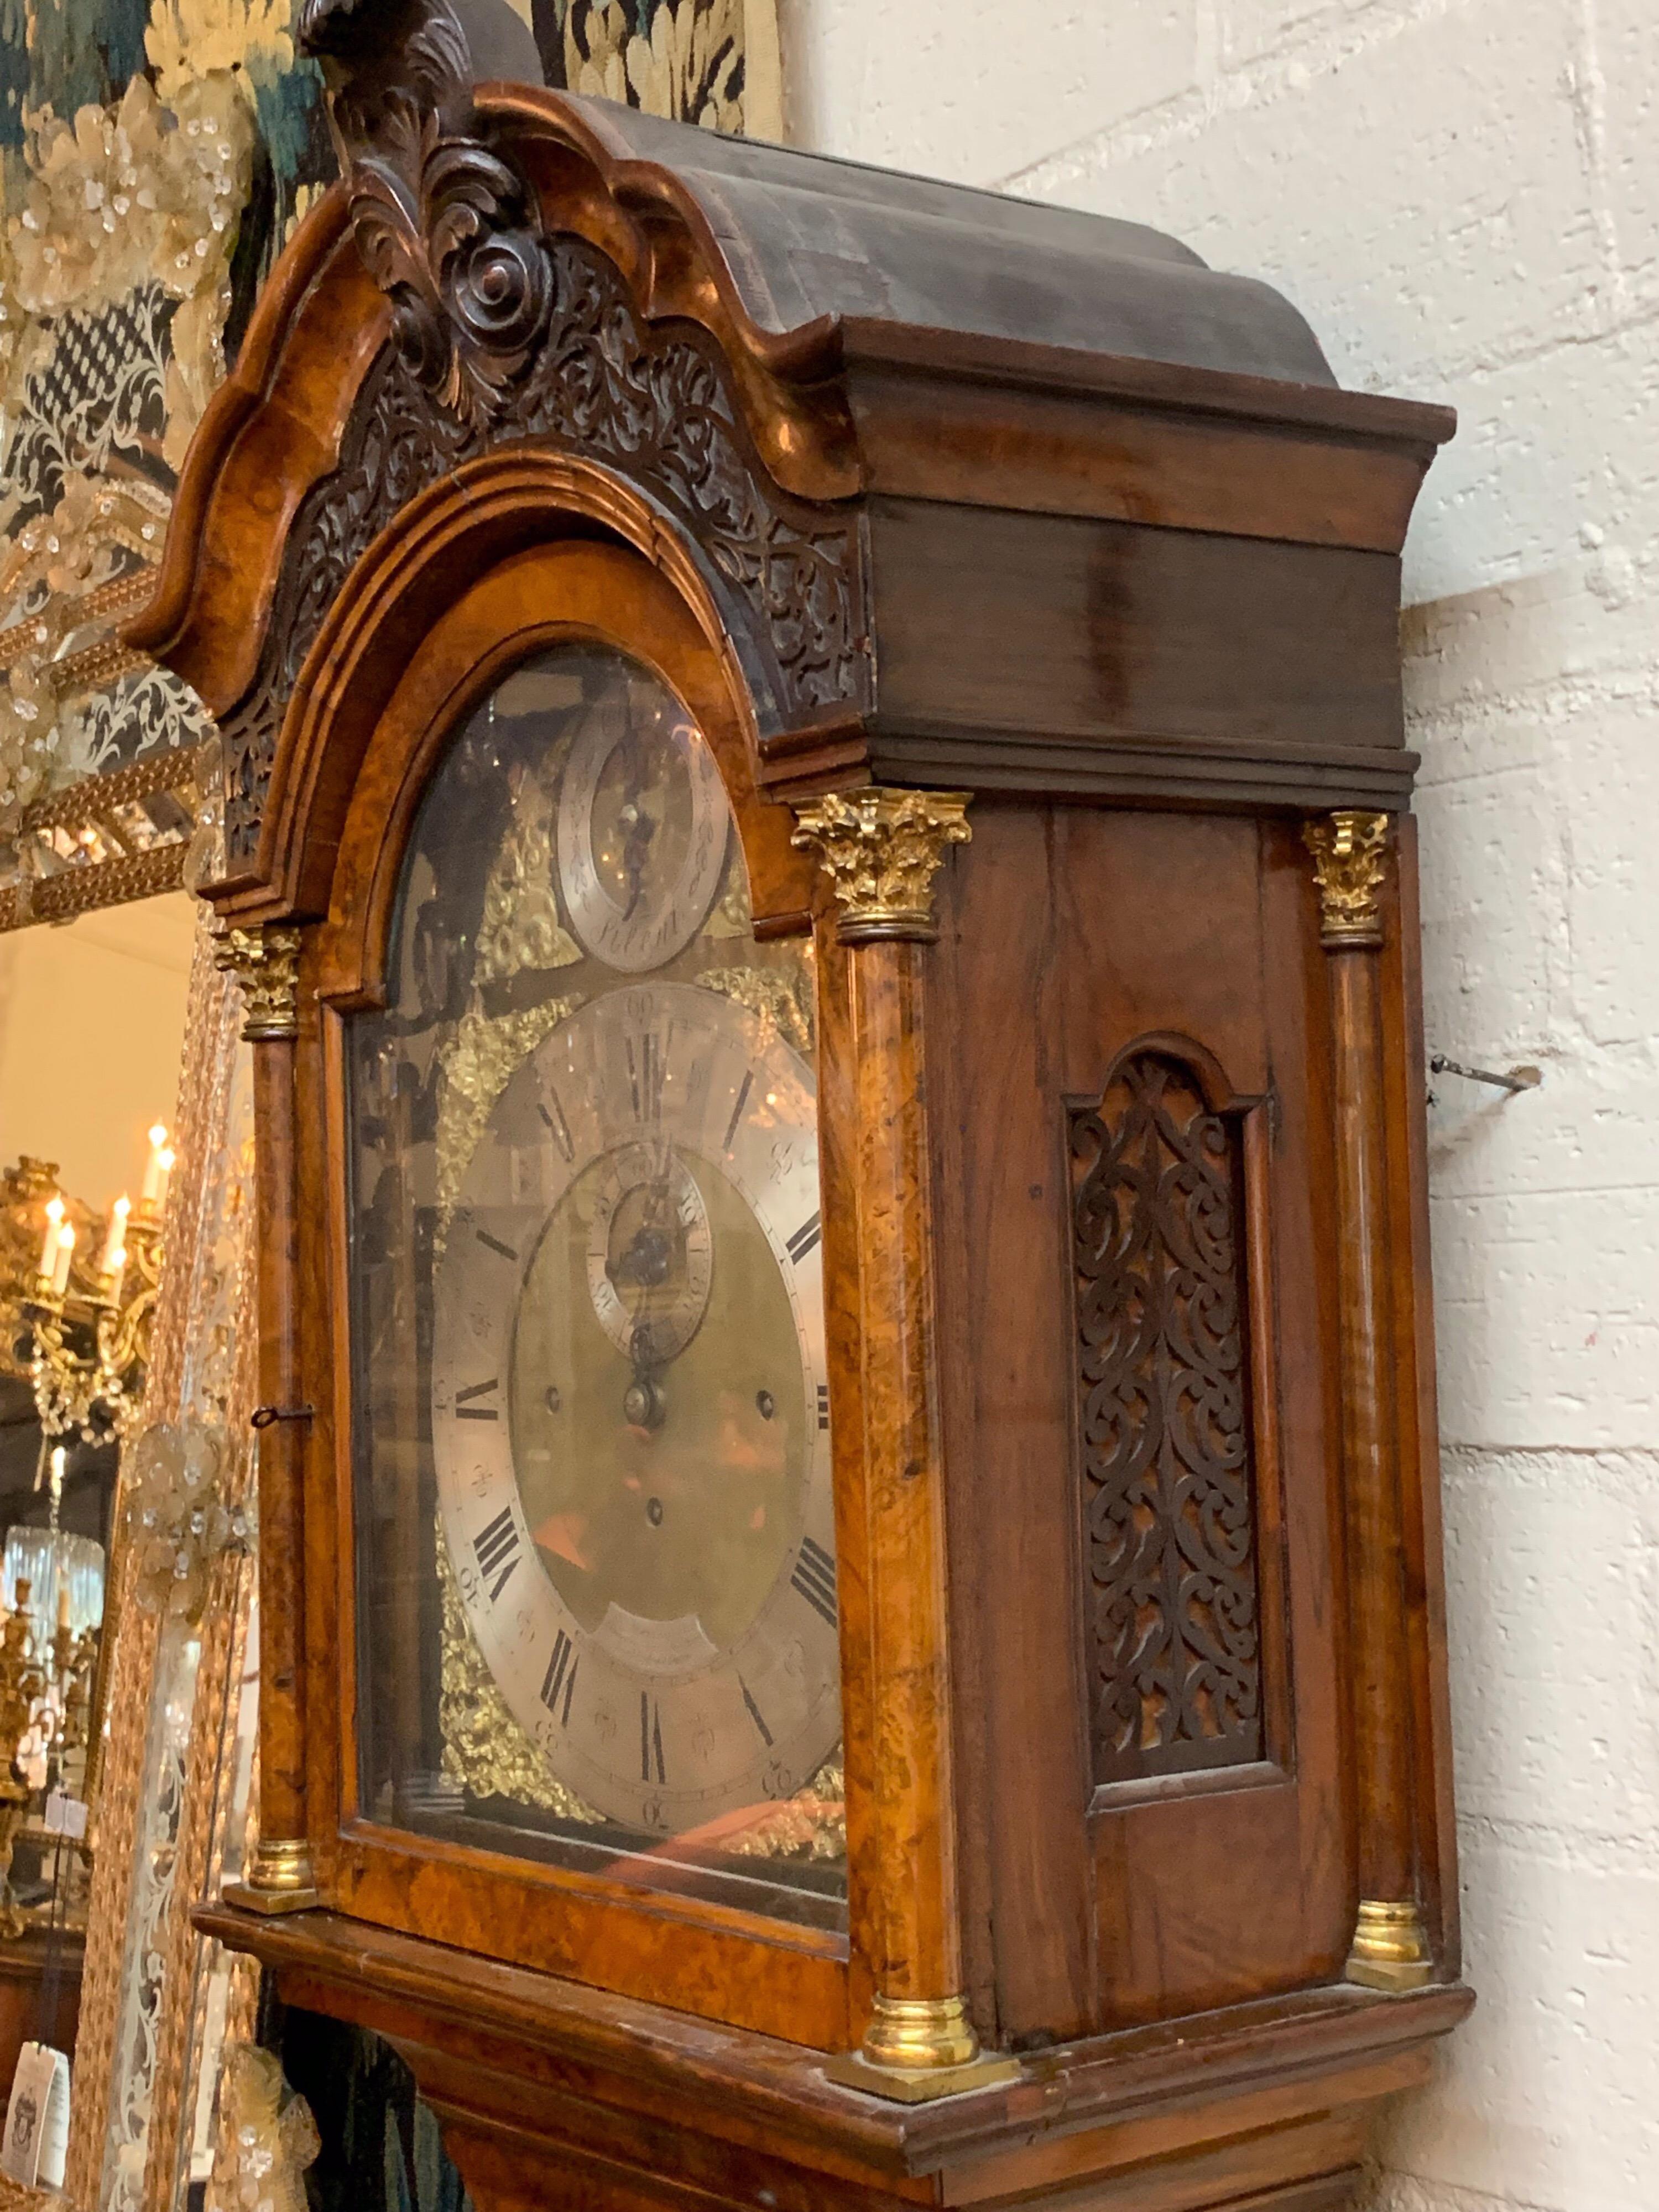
(650, 1253)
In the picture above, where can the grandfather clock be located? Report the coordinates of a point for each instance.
(816, 829)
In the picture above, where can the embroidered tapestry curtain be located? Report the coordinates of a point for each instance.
(155, 155)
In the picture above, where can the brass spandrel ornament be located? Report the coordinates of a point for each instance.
(521, 927)
(475, 1062)
(779, 995)
(485, 1751)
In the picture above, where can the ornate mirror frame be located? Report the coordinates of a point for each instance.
(150, 825)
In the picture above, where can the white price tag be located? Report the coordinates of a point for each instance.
(37, 2117)
(65, 1816)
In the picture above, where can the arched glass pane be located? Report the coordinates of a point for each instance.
(597, 1581)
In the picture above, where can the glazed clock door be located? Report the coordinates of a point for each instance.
(594, 1527)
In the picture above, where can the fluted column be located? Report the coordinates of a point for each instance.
(880, 850)
(1390, 1949)
(279, 1877)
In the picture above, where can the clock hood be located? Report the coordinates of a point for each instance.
(828, 393)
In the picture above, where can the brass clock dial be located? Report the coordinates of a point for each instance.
(630, 1411)
(643, 824)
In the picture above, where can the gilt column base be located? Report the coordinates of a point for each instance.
(279, 1879)
(1390, 1947)
(917, 2049)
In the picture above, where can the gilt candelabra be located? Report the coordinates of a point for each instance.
(82, 1329)
(23, 1685)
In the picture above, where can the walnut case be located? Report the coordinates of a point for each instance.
(929, 497)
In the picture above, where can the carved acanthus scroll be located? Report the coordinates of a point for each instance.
(1170, 1521)
(507, 332)
(656, 410)
(445, 227)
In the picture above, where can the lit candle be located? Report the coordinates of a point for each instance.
(164, 1161)
(63, 1602)
(60, 1265)
(49, 1249)
(115, 1240)
(113, 1275)
(155, 1170)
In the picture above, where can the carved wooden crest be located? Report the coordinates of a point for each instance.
(505, 332)
(444, 226)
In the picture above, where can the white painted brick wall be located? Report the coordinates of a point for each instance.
(1463, 197)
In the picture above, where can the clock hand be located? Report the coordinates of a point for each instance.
(645, 1265)
(650, 1254)
(644, 1405)
(639, 826)
(637, 849)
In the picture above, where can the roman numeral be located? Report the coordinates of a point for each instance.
(466, 1411)
(737, 1111)
(645, 1076)
(803, 1239)
(823, 1405)
(496, 1245)
(695, 1096)
(553, 1115)
(561, 1675)
(650, 1740)
(497, 1549)
(755, 1713)
(814, 1579)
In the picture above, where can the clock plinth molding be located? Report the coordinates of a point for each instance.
(1136, 599)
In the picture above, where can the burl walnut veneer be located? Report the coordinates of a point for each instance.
(1036, 588)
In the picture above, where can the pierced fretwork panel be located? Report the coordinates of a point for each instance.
(1164, 1419)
